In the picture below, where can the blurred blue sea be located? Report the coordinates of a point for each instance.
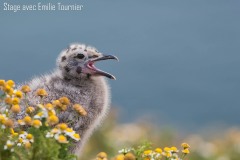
(179, 60)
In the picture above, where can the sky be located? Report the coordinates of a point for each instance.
(179, 60)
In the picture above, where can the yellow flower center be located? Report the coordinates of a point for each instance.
(10, 83)
(29, 136)
(77, 136)
(41, 92)
(167, 149)
(40, 114)
(2, 118)
(8, 123)
(64, 101)
(9, 145)
(53, 119)
(30, 109)
(27, 119)
(54, 130)
(15, 109)
(185, 145)
(62, 139)
(8, 100)
(18, 94)
(147, 152)
(158, 150)
(102, 155)
(15, 101)
(186, 151)
(69, 130)
(62, 126)
(25, 89)
(37, 123)
(2, 82)
(174, 149)
(49, 106)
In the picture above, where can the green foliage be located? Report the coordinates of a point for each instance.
(42, 149)
(39, 135)
(141, 148)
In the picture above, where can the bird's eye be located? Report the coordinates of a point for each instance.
(80, 56)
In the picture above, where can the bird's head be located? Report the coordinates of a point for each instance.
(78, 60)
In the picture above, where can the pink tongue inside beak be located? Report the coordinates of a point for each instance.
(97, 71)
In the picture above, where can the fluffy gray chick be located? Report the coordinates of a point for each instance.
(77, 78)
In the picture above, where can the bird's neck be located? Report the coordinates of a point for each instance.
(80, 80)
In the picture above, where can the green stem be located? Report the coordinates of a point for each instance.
(18, 155)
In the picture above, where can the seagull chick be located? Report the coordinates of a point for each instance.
(77, 78)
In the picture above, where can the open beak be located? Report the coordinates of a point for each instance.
(90, 65)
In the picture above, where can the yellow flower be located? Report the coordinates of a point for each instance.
(54, 130)
(62, 126)
(27, 145)
(62, 139)
(49, 106)
(7, 89)
(8, 123)
(167, 149)
(185, 145)
(53, 119)
(30, 110)
(102, 155)
(41, 92)
(21, 122)
(29, 136)
(186, 151)
(13, 132)
(40, 114)
(167, 154)
(56, 103)
(129, 156)
(8, 100)
(76, 137)
(80, 109)
(27, 120)
(2, 118)
(147, 152)
(25, 89)
(119, 157)
(59, 105)
(15, 108)
(36, 123)
(2, 82)
(51, 112)
(15, 101)
(18, 94)
(9, 144)
(64, 100)
(69, 130)
(174, 149)
(63, 107)
(20, 140)
(158, 150)
(10, 83)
